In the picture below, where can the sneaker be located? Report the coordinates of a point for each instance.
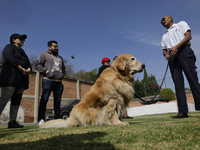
(127, 117)
(14, 124)
(41, 122)
(181, 115)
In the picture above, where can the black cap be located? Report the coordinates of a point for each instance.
(15, 36)
(115, 58)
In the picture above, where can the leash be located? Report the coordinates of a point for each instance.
(150, 101)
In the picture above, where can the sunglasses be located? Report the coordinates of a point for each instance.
(163, 19)
(21, 39)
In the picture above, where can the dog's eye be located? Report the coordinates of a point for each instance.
(132, 58)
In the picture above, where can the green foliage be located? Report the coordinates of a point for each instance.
(147, 86)
(167, 94)
(69, 71)
(145, 78)
(187, 89)
(87, 76)
(139, 88)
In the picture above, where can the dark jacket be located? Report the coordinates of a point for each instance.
(101, 69)
(10, 75)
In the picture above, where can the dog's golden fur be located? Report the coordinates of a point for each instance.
(107, 99)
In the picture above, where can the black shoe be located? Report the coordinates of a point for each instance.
(14, 124)
(181, 115)
(127, 117)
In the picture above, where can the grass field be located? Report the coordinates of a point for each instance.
(159, 132)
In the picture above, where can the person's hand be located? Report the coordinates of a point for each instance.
(173, 51)
(28, 71)
(25, 71)
(167, 56)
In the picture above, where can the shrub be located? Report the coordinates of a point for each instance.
(167, 94)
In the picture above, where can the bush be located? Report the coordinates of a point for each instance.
(167, 94)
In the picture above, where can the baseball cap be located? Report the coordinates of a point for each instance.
(105, 59)
(16, 35)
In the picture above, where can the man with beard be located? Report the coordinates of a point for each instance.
(51, 65)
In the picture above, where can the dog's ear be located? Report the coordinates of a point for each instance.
(121, 65)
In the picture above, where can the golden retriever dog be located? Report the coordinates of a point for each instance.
(107, 99)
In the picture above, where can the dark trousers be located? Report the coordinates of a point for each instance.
(184, 61)
(47, 87)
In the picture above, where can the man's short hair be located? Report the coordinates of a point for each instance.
(50, 43)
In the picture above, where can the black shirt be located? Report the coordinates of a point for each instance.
(101, 69)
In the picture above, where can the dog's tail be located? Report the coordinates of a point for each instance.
(57, 123)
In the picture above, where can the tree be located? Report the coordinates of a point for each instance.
(87, 76)
(145, 77)
(33, 61)
(139, 88)
(93, 75)
(69, 71)
(147, 86)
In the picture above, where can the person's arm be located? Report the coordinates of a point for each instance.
(40, 64)
(23, 70)
(63, 67)
(165, 54)
(29, 69)
(187, 38)
(8, 55)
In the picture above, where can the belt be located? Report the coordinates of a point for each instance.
(186, 45)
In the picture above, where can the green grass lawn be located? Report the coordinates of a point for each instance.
(150, 132)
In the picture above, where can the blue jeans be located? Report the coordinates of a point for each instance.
(47, 87)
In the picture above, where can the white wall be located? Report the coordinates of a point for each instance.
(5, 116)
(156, 109)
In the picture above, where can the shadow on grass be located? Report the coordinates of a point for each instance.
(131, 121)
(5, 131)
(72, 141)
(137, 122)
(189, 116)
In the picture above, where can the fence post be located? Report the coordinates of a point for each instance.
(78, 89)
(37, 86)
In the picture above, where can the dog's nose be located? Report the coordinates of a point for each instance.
(143, 65)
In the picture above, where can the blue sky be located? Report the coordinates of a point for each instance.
(93, 29)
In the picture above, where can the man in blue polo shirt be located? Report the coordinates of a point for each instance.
(176, 49)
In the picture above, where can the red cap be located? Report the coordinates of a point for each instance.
(105, 59)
